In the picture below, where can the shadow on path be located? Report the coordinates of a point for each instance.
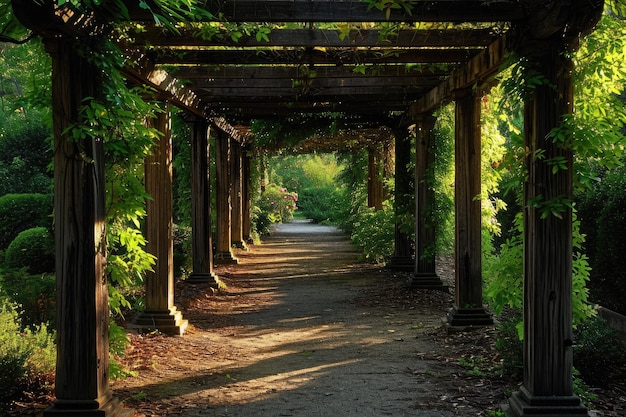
(302, 329)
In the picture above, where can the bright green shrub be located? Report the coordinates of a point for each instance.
(19, 212)
(374, 232)
(24, 354)
(32, 249)
(35, 294)
(322, 204)
(278, 203)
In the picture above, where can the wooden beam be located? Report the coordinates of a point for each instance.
(157, 37)
(345, 56)
(316, 83)
(478, 70)
(352, 11)
(248, 110)
(312, 93)
(222, 125)
(170, 88)
(238, 72)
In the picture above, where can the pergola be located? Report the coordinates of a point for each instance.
(444, 51)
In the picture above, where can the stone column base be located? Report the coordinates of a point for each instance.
(401, 263)
(70, 408)
(203, 278)
(461, 319)
(225, 258)
(523, 404)
(427, 281)
(168, 322)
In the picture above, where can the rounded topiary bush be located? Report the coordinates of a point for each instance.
(32, 249)
(19, 212)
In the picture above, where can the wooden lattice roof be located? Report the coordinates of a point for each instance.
(413, 63)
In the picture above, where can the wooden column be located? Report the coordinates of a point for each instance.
(201, 231)
(160, 313)
(245, 196)
(375, 177)
(82, 379)
(402, 259)
(223, 254)
(236, 175)
(468, 308)
(547, 389)
(425, 275)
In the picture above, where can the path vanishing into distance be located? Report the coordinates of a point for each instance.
(305, 329)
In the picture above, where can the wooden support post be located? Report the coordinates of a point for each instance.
(82, 379)
(402, 259)
(223, 254)
(245, 193)
(425, 275)
(236, 175)
(468, 309)
(160, 313)
(201, 231)
(548, 389)
(374, 177)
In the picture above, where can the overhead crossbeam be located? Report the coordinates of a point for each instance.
(344, 56)
(157, 37)
(353, 11)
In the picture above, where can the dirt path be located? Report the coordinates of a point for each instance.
(304, 330)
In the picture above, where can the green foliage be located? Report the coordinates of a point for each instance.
(19, 212)
(509, 345)
(314, 178)
(603, 215)
(24, 353)
(597, 350)
(278, 203)
(32, 249)
(25, 154)
(374, 232)
(443, 180)
(34, 293)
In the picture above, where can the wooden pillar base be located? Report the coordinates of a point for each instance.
(461, 319)
(427, 281)
(523, 404)
(241, 244)
(203, 278)
(69, 408)
(225, 258)
(168, 322)
(402, 263)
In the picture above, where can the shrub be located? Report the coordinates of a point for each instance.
(374, 232)
(321, 204)
(19, 212)
(35, 294)
(25, 355)
(278, 203)
(603, 220)
(32, 249)
(596, 351)
(25, 154)
(509, 344)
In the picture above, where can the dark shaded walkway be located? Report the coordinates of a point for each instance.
(301, 330)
